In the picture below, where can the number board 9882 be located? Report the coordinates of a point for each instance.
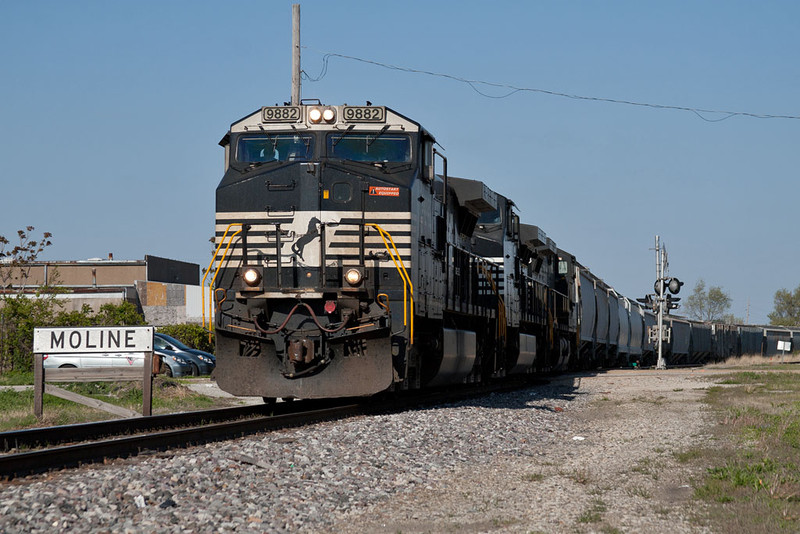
(364, 114)
(281, 114)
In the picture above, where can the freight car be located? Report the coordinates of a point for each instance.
(349, 262)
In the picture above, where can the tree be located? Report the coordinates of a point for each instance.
(709, 305)
(16, 263)
(21, 313)
(730, 318)
(787, 308)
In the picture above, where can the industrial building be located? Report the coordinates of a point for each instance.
(166, 291)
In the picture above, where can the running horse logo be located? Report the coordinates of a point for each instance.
(311, 234)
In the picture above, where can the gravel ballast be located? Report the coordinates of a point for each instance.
(582, 454)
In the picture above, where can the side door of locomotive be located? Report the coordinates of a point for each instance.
(341, 217)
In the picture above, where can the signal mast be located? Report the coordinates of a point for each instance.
(661, 302)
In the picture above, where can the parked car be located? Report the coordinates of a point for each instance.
(203, 362)
(97, 359)
(173, 364)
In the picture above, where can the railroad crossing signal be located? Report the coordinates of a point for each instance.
(663, 286)
(662, 301)
(673, 285)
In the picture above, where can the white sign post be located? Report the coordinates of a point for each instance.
(97, 339)
(783, 346)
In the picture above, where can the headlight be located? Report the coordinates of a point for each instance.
(251, 277)
(353, 277)
(328, 115)
(314, 115)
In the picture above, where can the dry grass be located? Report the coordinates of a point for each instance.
(648, 466)
(579, 475)
(533, 477)
(169, 396)
(754, 360)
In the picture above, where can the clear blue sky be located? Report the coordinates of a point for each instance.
(110, 114)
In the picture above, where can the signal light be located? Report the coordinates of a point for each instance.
(671, 284)
(650, 301)
(660, 287)
(672, 302)
(674, 286)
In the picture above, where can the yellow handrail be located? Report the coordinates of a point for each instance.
(403, 274)
(408, 288)
(501, 305)
(213, 258)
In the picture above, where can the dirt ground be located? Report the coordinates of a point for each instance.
(617, 469)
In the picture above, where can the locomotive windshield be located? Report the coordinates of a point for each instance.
(372, 147)
(278, 147)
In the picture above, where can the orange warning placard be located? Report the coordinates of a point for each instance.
(379, 191)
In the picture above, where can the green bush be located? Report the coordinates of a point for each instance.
(192, 335)
(75, 318)
(124, 314)
(20, 314)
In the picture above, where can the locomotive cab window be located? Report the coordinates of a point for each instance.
(488, 218)
(370, 147)
(341, 192)
(278, 147)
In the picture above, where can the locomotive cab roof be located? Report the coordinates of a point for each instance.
(534, 238)
(473, 194)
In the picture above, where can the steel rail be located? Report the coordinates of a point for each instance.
(55, 435)
(38, 461)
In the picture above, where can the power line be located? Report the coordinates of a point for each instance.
(512, 89)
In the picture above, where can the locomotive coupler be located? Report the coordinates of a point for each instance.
(302, 356)
(301, 350)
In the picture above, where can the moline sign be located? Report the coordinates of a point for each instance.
(93, 339)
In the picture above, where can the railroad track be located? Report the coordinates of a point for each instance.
(74, 445)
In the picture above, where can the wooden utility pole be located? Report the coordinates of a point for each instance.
(295, 54)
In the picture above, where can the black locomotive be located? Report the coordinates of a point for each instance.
(350, 263)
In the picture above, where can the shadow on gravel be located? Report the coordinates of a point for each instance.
(550, 396)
